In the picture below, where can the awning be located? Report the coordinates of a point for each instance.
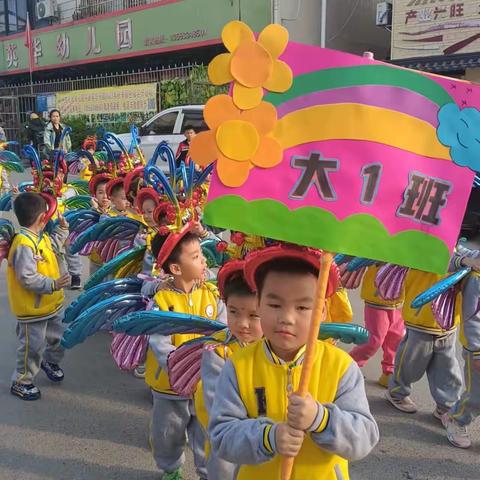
(442, 63)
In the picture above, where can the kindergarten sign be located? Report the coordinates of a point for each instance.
(345, 154)
(131, 98)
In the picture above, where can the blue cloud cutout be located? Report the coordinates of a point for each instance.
(459, 129)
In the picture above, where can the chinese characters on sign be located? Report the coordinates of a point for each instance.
(423, 198)
(435, 27)
(37, 49)
(93, 48)
(12, 57)
(124, 34)
(63, 46)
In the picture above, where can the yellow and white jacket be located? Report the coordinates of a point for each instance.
(203, 301)
(32, 270)
(251, 399)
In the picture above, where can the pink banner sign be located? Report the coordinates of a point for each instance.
(373, 161)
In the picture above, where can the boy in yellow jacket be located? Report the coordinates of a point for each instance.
(35, 291)
(243, 328)
(180, 256)
(256, 417)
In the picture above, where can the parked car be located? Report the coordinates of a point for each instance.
(168, 125)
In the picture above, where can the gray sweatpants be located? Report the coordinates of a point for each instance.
(38, 341)
(468, 407)
(74, 262)
(172, 421)
(420, 353)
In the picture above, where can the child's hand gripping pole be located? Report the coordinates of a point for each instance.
(317, 315)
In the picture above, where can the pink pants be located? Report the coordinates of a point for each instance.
(386, 330)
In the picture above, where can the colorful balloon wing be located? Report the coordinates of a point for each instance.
(101, 317)
(112, 288)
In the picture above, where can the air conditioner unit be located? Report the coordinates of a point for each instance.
(384, 14)
(45, 9)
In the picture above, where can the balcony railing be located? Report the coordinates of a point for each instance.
(68, 10)
(92, 8)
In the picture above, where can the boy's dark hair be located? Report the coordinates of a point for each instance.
(99, 183)
(27, 207)
(236, 285)
(116, 188)
(189, 127)
(293, 266)
(174, 257)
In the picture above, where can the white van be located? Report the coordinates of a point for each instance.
(168, 125)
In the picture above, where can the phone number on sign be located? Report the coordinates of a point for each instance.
(177, 37)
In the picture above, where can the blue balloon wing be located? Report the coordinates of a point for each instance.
(213, 256)
(438, 288)
(341, 258)
(132, 257)
(7, 232)
(101, 317)
(6, 202)
(345, 332)
(6, 156)
(80, 221)
(164, 323)
(358, 262)
(110, 237)
(95, 295)
(24, 186)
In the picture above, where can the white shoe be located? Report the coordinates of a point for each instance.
(457, 434)
(406, 404)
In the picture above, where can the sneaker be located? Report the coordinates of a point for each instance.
(25, 392)
(384, 379)
(457, 434)
(76, 283)
(406, 404)
(139, 372)
(438, 413)
(53, 371)
(176, 475)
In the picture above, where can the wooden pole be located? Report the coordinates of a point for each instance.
(317, 315)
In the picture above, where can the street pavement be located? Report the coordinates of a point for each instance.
(94, 425)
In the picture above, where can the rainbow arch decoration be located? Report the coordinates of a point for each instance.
(363, 158)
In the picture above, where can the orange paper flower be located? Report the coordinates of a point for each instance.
(252, 64)
(237, 140)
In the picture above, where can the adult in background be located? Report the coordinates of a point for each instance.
(53, 132)
(3, 135)
(35, 129)
(51, 140)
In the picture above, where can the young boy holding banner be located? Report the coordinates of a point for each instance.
(256, 416)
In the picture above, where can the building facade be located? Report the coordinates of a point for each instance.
(440, 36)
(88, 44)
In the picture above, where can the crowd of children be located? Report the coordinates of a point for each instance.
(245, 415)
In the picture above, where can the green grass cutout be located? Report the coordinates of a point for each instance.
(360, 235)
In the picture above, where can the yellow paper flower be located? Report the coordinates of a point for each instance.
(252, 64)
(237, 140)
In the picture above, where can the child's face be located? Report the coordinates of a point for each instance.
(91, 150)
(189, 134)
(101, 195)
(191, 264)
(285, 309)
(243, 320)
(119, 200)
(148, 208)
